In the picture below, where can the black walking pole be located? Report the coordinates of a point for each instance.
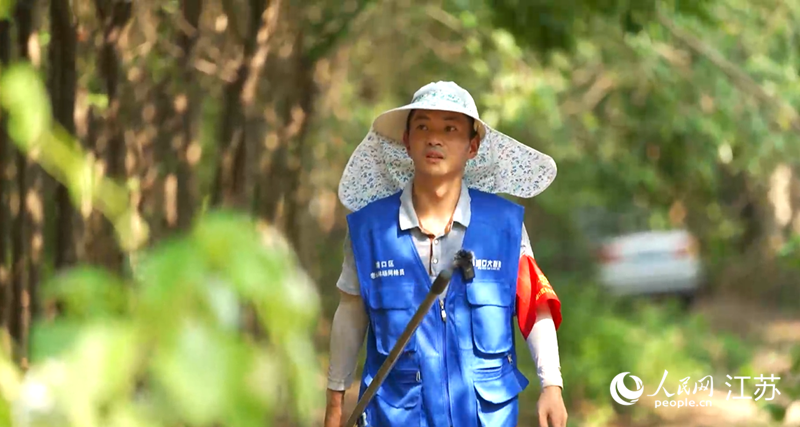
(463, 260)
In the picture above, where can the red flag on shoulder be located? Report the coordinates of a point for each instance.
(533, 289)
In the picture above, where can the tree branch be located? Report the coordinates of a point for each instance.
(735, 74)
(326, 40)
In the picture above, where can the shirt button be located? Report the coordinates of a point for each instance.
(435, 260)
(436, 241)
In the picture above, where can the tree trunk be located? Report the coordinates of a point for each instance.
(6, 293)
(281, 197)
(294, 198)
(34, 209)
(184, 114)
(292, 126)
(90, 219)
(20, 314)
(113, 15)
(230, 177)
(795, 194)
(230, 138)
(159, 157)
(62, 93)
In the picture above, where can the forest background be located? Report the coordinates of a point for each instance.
(170, 233)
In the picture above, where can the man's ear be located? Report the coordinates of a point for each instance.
(405, 140)
(474, 146)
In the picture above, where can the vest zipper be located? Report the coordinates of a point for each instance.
(444, 362)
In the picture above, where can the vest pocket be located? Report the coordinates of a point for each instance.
(491, 305)
(497, 391)
(391, 308)
(398, 401)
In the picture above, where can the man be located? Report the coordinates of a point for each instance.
(421, 186)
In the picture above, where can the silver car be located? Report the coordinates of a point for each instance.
(652, 263)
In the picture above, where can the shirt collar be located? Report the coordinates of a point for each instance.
(408, 216)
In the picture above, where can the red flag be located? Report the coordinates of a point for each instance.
(534, 289)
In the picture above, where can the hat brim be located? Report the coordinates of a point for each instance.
(392, 123)
(380, 165)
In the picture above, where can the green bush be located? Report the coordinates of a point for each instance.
(788, 386)
(212, 328)
(602, 336)
(172, 346)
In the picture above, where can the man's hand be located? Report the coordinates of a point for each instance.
(333, 409)
(551, 408)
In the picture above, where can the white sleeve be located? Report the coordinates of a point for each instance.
(348, 279)
(525, 244)
(347, 335)
(543, 344)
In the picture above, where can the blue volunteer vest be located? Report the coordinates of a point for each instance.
(459, 369)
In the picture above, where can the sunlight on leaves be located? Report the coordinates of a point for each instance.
(6, 8)
(153, 365)
(168, 345)
(25, 97)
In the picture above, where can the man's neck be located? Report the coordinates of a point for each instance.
(435, 201)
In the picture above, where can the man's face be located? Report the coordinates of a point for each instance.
(439, 142)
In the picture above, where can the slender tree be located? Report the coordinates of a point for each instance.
(62, 79)
(20, 300)
(6, 294)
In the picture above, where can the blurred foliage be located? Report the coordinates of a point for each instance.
(31, 127)
(642, 121)
(6, 8)
(213, 328)
(652, 121)
(603, 335)
(789, 387)
(171, 346)
(790, 253)
(637, 121)
(549, 26)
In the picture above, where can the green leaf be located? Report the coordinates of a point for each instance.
(10, 379)
(88, 292)
(200, 393)
(98, 100)
(468, 19)
(6, 9)
(50, 340)
(171, 279)
(777, 412)
(75, 387)
(795, 357)
(24, 96)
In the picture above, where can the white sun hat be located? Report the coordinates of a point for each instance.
(380, 165)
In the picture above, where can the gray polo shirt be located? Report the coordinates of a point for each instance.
(434, 251)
